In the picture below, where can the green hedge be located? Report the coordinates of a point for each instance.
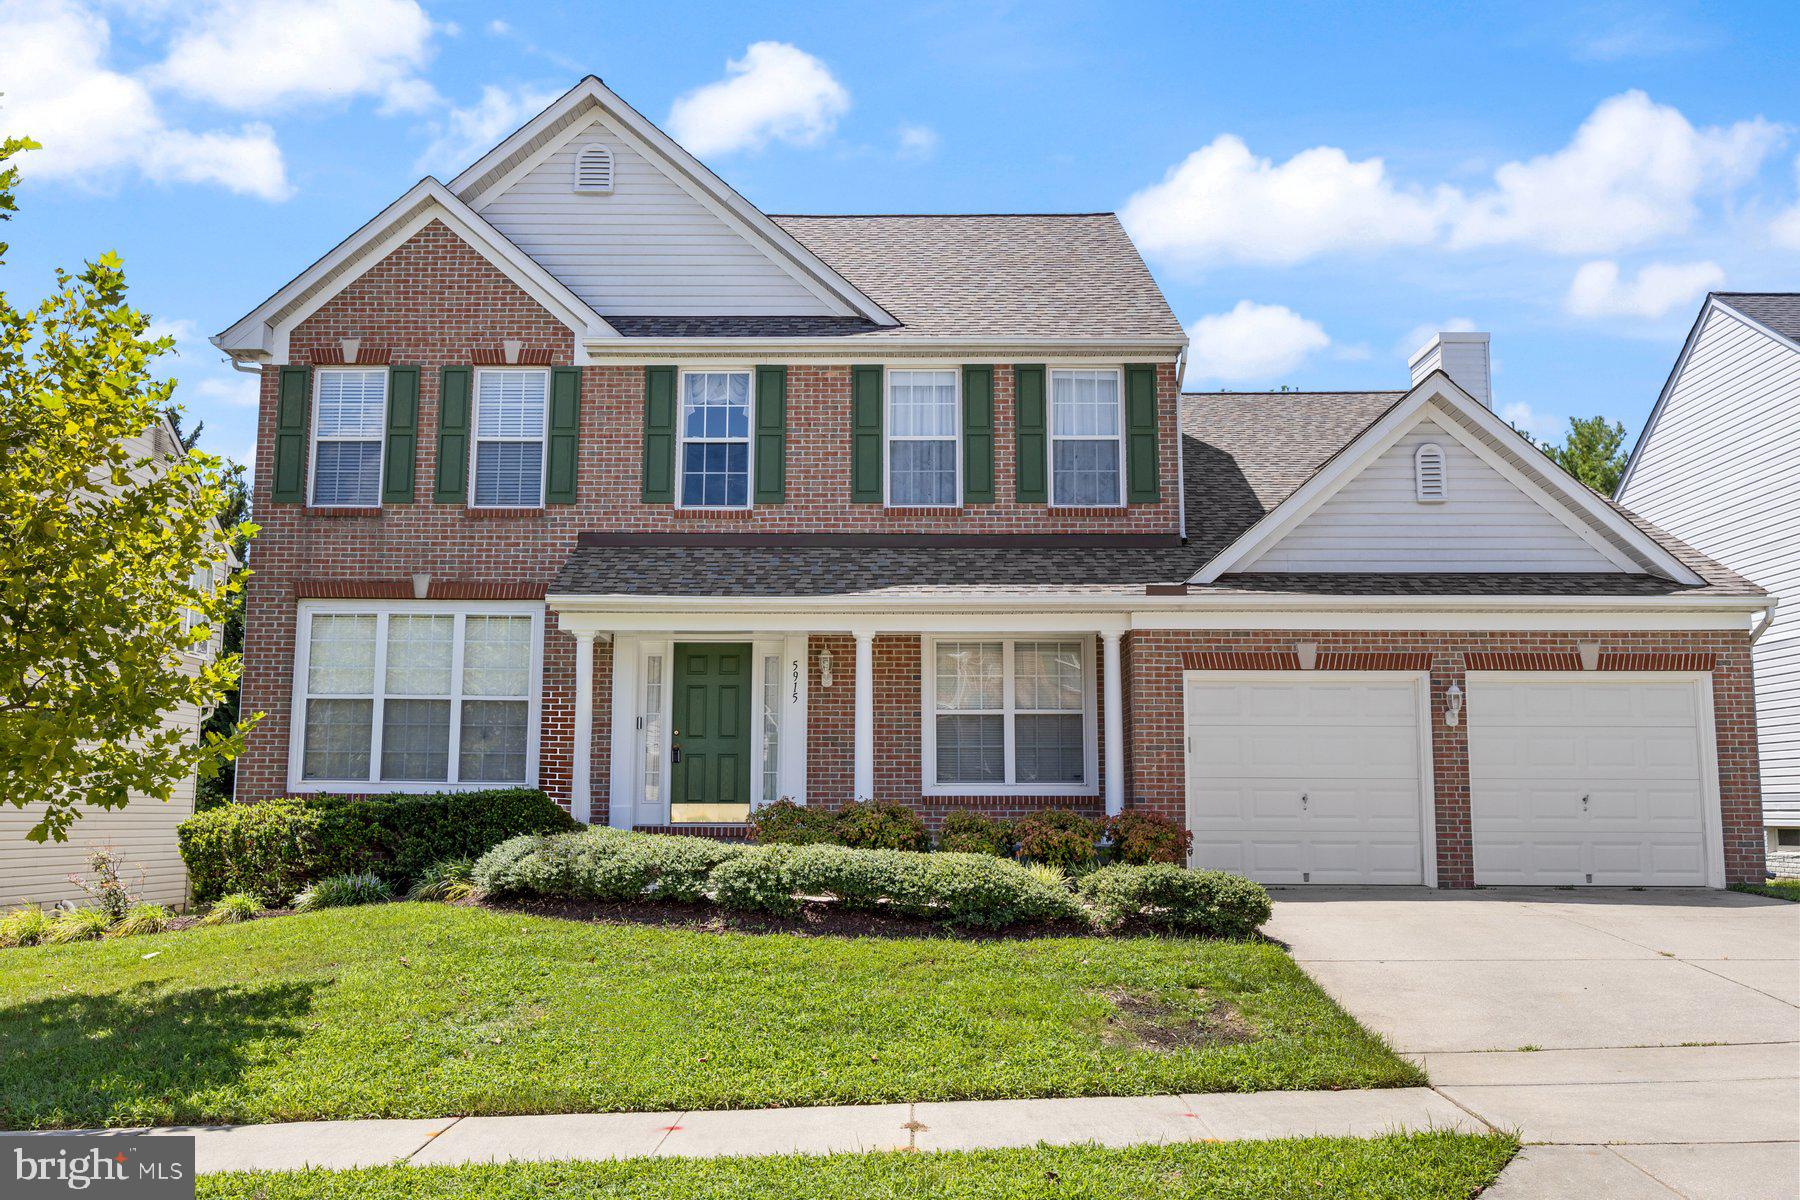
(272, 849)
(1210, 903)
(880, 825)
(601, 864)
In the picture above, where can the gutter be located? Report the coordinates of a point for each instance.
(1768, 619)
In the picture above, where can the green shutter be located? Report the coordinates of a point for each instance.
(452, 486)
(292, 402)
(865, 435)
(402, 448)
(563, 458)
(771, 435)
(1032, 433)
(1143, 483)
(659, 435)
(978, 435)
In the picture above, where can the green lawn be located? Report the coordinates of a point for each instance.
(1429, 1166)
(414, 1010)
(1781, 889)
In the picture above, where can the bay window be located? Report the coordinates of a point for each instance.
(349, 423)
(401, 697)
(1010, 715)
(923, 418)
(510, 413)
(1086, 438)
(715, 439)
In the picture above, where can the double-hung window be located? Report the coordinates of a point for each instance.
(1010, 715)
(349, 421)
(510, 410)
(922, 424)
(400, 696)
(1086, 438)
(715, 439)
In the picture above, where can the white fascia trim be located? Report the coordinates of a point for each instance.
(1379, 437)
(263, 333)
(714, 192)
(635, 351)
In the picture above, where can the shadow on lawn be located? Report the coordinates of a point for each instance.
(141, 1055)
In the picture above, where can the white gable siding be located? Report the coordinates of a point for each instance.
(1721, 470)
(646, 247)
(1376, 523)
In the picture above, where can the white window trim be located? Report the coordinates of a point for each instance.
(382, 610)
(475, 438)
(1052, 436)
(681, 437)
(888, 437)
(312, 447)
(1090, 726)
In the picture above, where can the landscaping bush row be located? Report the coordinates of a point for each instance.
(273, 849)
(975, 890)
(1058, 836)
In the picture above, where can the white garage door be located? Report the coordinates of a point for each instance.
(1305, 778)
(1578, 782)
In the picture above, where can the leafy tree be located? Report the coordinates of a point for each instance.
(1593, 452)
(101, 591)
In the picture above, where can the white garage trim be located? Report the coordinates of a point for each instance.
(1421, 685)
(1712, 829)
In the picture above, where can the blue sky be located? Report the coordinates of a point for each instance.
(1314, 185)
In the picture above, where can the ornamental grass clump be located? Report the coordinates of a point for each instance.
(451, 880)
(78, 925)
(344, 891)
(231, 909)
(141, 918)
(25, 926)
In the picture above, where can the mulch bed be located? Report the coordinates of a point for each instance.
(819, 918)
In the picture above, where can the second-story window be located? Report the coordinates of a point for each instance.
(510, 407)
(349, 421)
(922, 424)
(715, 439)
(1086, 438)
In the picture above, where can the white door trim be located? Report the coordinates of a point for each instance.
(1421, 681)
(1711, 815)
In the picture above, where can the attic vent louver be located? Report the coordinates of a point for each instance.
(594, 169)
(1429, 485)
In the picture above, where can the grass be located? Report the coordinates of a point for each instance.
(1780, 889)
(1428, 1166)
(415, 1010)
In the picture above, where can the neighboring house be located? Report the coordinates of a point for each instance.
(142, 834)
(1716, 466)
(580, 471)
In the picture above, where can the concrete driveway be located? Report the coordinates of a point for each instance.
(1644, 1043)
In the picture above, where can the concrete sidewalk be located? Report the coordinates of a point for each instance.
(962, 1125)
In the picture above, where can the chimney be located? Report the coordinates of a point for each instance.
(1461, 356)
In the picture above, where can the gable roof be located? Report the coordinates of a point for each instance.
(263, 330)
(1477, 427)
(1776, 315)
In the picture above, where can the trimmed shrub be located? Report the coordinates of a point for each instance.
(790, 824)
(601, 864)
(274, 848)
(1143, 837)
(25, 926)
(450, 880)
(757, 880)
(141, 918)
(229, 910)
(343, 891)
(968, 832)
(78, 925)
(1210, 903)
(1058, 836)
(880, 825)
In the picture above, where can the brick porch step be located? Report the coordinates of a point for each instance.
(724, 832)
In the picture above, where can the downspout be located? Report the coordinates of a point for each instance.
(253, 369)
(1768, 619)
(1180, 444)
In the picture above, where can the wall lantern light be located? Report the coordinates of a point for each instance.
(824, 668)
(1453, 699)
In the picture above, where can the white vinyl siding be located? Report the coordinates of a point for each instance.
(1376, 523)
(1719, 470)
(142, 834)
(650, 247)
(349, 423)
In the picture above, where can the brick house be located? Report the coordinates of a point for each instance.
(580, 471)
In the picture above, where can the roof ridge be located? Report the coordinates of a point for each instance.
(970, 215)
(1311, 392)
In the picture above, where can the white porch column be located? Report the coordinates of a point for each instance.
(1114, 688)
(581, 774)
(863, 785)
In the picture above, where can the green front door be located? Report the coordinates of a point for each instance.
(710, 733)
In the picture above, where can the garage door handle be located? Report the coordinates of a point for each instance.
(1584, 801)
(1303, 799)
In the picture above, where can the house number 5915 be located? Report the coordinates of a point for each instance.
(794, 671)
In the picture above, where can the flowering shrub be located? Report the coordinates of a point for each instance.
(1058, 836)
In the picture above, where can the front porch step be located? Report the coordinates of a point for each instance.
(724, 832)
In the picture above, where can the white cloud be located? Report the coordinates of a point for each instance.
(1614, 32)
(1252, 342)
(263, 54)
(1632, 173)
(498, 28)
(1785, 228)
(1598, 289)
(776, 92)
(917, 142)
(95, 122)
(1224, 204)
(1542, 426)
(466, 134)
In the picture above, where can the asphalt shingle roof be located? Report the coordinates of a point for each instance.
(1779, 311)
